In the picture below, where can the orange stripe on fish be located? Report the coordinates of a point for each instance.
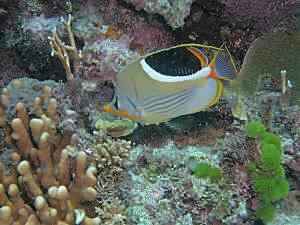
(199, 55)
(121, 113)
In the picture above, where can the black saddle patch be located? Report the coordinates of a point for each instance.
(174, 62)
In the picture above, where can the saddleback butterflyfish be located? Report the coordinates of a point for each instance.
(172, 82)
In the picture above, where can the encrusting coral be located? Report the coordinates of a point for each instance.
(112, 212)
(45, 178)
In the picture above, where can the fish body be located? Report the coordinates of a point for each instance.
(169, 83)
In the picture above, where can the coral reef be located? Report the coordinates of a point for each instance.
(8, 70)
(205, 170)
(63, 161)
(111, 159)
(163, 189)
(112, 212)
(25, 90)
(37, 157)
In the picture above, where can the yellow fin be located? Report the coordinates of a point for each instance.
(219, 93)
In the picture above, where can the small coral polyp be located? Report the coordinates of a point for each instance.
(45, 178)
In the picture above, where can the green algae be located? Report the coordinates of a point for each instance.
(267, 174)
(205, 170)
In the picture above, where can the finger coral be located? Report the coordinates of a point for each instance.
(44, 177)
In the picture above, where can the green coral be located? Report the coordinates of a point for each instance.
(205, 170)
(267, 174)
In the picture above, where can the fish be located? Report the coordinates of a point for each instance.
(171, 82)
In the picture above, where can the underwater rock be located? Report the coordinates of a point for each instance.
(145, 36)
(173, 11)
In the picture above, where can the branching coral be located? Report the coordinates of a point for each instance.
(62, 51)
(55, 175)
(112, 154)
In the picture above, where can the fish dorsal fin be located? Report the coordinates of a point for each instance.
(222, 63)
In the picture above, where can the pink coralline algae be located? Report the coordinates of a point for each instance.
(147, 36)
(174, 11)
(265, 14)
